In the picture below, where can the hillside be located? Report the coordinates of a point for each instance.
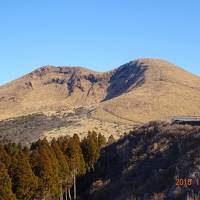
(145, 165)
(161, 90)
(135, 93)
(52, 89)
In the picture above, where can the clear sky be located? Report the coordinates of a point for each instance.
(98, 34)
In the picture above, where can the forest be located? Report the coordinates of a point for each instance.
(47, 170)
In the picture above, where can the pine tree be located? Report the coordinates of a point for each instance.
(12, 149)
(101, 140)
(23, 180)
(26, 151)
(111, 139)
(4, 157)
(63, 143)
(75, 155)
(63, 166)
(5, 184)
(91, 151)
(45, 167)
(94, 136)
(76, 138)
(76, 160)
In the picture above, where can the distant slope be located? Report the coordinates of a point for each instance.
(145, 164)
(136, 92)
(29, 128)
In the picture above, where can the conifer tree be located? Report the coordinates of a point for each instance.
(26, 151)
(111, 139)
(101, 140)
(76, 138)
(63, 166)
(23, 180)
(4, 157)
(63, 143)
(12, 149)
(45, 167)
(94, 137)
(75, 155)
(91, 151)
(76, 160)
(5, 184)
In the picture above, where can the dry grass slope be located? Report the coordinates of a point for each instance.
(139, 91)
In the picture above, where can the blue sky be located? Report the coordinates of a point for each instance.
(98, 34)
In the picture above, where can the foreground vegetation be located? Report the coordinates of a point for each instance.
(47, 171)
(146, 164)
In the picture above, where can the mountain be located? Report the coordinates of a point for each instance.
(52, 88)
(156, 161)
(157, 90)
(76, 99)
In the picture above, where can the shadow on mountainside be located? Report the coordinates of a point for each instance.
(28, 128)
(125, 78)
(145, 164)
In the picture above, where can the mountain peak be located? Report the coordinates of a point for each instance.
(152, 60)
(51, 88)
(66, 69)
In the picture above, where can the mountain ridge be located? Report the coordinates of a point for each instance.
(134, 93)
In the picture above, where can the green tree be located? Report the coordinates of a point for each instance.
(5, 184)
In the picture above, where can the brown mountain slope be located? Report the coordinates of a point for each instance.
(139, 91)
(160, 91)
(50, 88)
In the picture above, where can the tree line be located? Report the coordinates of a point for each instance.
(47, 170)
